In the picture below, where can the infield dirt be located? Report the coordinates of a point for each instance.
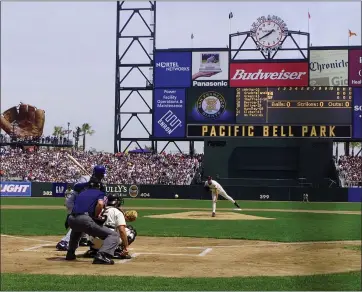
(186, 257)
(203, 215)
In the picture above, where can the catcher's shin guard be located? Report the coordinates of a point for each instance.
(131, 237)
(91, 253)
(131, 234)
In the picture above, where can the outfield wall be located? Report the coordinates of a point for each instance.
(36, 189)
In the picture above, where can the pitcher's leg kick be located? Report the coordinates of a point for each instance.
(216, 190)
(215, 195)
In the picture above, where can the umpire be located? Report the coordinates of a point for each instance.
(87, 207)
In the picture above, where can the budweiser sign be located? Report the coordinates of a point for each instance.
(269, 74)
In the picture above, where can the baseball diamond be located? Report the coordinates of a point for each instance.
(284, 242)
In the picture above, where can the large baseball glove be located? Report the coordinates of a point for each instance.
(130, 215)
(29, 119)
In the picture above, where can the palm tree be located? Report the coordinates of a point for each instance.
(58, 131)
(86, 129)
(354, 145)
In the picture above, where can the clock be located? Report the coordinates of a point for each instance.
(269, 33)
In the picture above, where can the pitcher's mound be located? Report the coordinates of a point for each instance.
(199, 215)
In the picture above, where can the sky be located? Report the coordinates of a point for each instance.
(60, 56)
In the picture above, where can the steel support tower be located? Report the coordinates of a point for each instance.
(142, 85)
(136, 94)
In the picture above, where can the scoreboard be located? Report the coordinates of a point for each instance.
(294, 105)
(319, 111)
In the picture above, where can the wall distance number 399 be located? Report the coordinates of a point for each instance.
(264, 197)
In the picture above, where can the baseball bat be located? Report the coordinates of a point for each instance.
(77, 164)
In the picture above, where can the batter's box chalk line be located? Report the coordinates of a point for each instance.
(45, 243)
(36, 247)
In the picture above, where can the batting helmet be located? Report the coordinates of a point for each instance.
(99, 170)
(98, 174)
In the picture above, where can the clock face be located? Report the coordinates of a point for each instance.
(269, 35)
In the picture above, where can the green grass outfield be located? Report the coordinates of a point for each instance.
(179, 203)
(333, 282)
(288, 227)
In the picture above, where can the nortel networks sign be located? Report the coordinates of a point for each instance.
(172, 69)
(269, 74)
(15, 189)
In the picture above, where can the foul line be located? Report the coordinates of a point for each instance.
(205, 252)
(26, 238)
(277, 244)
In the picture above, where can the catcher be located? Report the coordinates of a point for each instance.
(29, 120)
(115, 219)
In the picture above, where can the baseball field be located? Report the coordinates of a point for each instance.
(266, 246)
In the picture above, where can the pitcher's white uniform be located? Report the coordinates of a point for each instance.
(216, 190)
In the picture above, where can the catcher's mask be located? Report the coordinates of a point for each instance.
(115, 200)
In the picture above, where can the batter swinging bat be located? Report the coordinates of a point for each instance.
(77, 164)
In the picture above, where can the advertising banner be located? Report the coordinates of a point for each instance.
(58, 189)
(210, 69)
(131, 191)
(211, 105)
(357, 113)
(172, 69)
(355, 195)
(169, 113)
(355, 68)
(269, 74)
(15, 189)
(328, 68)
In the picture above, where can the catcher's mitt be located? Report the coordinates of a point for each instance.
(29, 120)
(131, 215)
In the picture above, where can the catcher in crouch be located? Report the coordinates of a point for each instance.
(216, 190)
(115, 219)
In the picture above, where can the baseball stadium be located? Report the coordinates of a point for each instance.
(266, 197)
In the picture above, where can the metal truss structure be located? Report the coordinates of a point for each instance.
(268, 56)
(144, 84)
(136, 94)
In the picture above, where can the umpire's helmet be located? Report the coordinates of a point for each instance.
(115, 200)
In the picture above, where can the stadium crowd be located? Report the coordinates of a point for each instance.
(125, 168)
(350, 170)
(51, 140)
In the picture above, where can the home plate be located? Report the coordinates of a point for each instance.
(202, 215)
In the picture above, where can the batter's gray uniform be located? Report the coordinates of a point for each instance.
(69, 203)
